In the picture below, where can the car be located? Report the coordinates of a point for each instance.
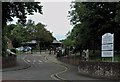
(20, 48)
(10, 53)
(27, 48)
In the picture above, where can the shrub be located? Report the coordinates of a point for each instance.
(14, 50)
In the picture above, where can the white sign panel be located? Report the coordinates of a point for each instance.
(107, 53)
(107, 45)
(107, 38)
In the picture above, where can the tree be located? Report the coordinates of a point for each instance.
(95, 19)
(42, 35)
(19, 35)
(8, 30)
(30, 29)
(19, 10)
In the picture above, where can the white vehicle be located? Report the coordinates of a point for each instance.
(9, 51)
(27, 48)
(20, 48)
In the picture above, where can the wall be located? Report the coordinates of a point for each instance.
(9, 61)
(101, 70)
(105, 70)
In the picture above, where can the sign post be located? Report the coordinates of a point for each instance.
(108, 45)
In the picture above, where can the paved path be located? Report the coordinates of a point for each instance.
(42, 67)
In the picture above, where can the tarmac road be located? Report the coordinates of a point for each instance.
(42, 67)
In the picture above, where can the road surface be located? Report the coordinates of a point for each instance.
(44, 67)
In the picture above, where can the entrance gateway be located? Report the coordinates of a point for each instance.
(108, 45)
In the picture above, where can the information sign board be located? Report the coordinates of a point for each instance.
(108, 45)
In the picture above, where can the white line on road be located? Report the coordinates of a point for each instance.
(57, 74)
(53, 76)
(28, 60)
(37, 55)
(45, 58)
(40, 61)
(24, 60)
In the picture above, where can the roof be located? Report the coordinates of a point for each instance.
(55, 41)
(31, 42)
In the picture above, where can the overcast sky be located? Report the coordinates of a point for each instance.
(55, 17)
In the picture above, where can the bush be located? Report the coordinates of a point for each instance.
(14, 50)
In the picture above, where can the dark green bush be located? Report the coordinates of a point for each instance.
(14, 50)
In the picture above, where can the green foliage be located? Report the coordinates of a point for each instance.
(93, 20)
(42, 34)
(8, 29)
(71, 38)
(4, 46)
(18, 35)
(13, 50)
(68, 42)
(18, 10)
(29, 32)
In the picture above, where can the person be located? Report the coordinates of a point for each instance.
(31, 50)
(59, 52)
(63, 51)
(54, 50)
(50, 51)
(86, 56)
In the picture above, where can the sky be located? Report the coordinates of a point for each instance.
(55, 16)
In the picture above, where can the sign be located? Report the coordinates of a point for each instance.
(107, 38)
(108, 45)
(107, 53)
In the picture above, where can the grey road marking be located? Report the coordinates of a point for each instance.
(39, 61)
(28, 60)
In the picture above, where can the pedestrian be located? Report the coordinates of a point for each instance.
(50, 51)
(31, 50)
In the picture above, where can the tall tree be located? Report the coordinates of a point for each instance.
(19, 10)
(42, 35)
(19, 35)
(95, 19)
